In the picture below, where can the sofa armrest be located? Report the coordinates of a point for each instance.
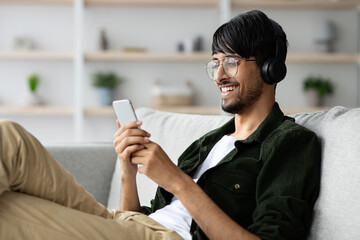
(91, 164)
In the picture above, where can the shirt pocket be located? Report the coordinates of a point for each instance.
(234, 193)
(239, 184)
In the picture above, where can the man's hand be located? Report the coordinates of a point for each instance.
(156, 164)
(127, 140)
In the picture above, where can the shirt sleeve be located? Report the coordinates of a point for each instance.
(287, 185)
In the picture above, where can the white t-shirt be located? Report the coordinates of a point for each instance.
(175, 216)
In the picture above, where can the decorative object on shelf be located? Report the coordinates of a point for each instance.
(324, 36)
(23, 43)
(169, 96)
(32, 97)
(106, 82)
(198, 44)
(189, 45)
(316, 88)
(180, 47)
(104, 43)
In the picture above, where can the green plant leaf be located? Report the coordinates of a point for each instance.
(33, 81)
(106, 79)
(322, 85)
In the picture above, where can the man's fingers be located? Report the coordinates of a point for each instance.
(122, 144)
(134, 124)
(131, 150)
(130, 130)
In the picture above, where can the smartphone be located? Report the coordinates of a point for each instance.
(124, 111)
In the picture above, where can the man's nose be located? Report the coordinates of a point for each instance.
(220, 74)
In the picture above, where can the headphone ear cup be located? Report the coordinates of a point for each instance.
(265, 71)
(273, 71)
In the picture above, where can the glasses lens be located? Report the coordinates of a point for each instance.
(211, 69)
(230, 66)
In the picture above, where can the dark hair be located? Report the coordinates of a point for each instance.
(248, 34)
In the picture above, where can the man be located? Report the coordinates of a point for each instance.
(256, 177)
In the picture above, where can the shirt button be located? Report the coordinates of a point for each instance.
(195, 232)
(237, 186)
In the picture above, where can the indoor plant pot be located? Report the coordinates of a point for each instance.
(316, 88)
(106, 82)
(32, 97)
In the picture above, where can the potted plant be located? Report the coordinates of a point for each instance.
(32, 98)
(316, 89)
(106, 82)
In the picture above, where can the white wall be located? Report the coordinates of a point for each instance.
(157, 30)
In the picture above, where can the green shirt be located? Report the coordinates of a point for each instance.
(268, 183)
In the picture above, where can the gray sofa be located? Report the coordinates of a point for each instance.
(336, 213)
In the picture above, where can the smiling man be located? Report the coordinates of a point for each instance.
(256, 177)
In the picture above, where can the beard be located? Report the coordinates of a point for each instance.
(243, 101)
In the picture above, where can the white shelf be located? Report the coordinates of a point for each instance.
(296, 4)
(99, 111)
(36, 111)
(166, 57)
(184, 57)
(154, 3)
(47, 2)
(322, 58)
(146, 56)
(36, 55)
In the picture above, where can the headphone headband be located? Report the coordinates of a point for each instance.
(280, 47)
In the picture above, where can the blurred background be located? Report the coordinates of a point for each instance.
(62, 62)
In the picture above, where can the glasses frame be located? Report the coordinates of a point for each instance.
(237, 60)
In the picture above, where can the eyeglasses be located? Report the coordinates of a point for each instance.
(229, 64)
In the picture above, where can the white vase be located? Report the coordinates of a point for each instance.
(106, 95)
(32, 99)
(313, 99)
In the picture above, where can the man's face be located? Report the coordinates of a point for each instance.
(243, 89)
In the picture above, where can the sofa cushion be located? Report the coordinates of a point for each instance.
(337, 211)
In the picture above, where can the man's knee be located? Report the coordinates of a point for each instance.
(8, 124)
(9, 129)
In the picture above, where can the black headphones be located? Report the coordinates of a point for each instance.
(274, 68)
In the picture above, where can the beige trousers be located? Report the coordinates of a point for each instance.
(41, 200)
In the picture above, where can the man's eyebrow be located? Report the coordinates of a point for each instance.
(229, 55)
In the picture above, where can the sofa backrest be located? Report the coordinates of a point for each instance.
(337, 210)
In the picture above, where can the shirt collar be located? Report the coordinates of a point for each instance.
(271, 122)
